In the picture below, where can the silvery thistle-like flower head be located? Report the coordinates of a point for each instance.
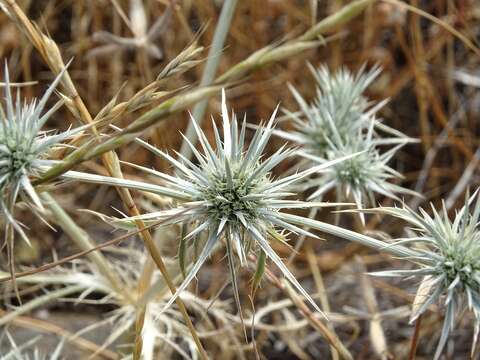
(229, 194)
(24, 148)
(339, 104)
(341, 121)
(449, 261)
(362, 176)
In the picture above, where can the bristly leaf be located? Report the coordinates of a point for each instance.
(182, 250)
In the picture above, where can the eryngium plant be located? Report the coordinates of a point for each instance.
(449, 261)
(228, 194)
(24, 150)
(340, 122)
(339, 105)
(362, 176)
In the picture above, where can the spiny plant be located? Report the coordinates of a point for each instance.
(228, 194)
(339, 106)
(362, 176)
(24, 153)
(340, 122)
(448, 260)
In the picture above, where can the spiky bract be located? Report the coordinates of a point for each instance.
(449, 261)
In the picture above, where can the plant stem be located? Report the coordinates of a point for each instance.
(210, 70)
(416, 336)
(157, 258)
(322, 291)
(342, 16)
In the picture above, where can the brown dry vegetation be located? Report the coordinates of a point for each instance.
(418, 57)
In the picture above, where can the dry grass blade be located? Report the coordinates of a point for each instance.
(39, 301)
(441, 23)
(377, 335)
(82, 240)
(46, 327)
(88, 251)
(317, 275)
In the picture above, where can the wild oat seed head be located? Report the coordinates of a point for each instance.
(449, 261)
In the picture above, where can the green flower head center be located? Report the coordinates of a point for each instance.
(227, 200)
(350, 171)
(319, 133)
(18, 158)
(460, 265)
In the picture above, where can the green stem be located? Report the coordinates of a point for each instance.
(210, 70)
